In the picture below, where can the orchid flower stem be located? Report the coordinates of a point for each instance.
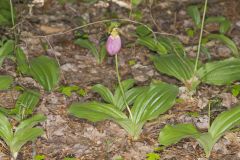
(12, 14)
(200, 37)
(120, 86)
(209, 115)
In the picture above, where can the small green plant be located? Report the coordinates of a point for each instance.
(235, 90)
(161, 45)
(147, 104)
(24, 106)
(221, 72)
(43, 69)
(223, 123)
(98, 52)
(6, 49)
(224, 26)
(153, 156)
(15, 138)
(68, 90)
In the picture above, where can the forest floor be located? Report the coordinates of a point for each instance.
(67, 136)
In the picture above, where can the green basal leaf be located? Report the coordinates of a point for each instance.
(235, 90)
(105, 93)
(21, 138)
(148, 42)
(26, 104)
(117, 100)
(193, 12)
(173, 134)
(5, 50)
(30, 122)
(152, 44)
(95, 111)
(218, 19)
(102, 52)
(131, 96)
(24, 132)
(148, 103)
(220, 72)
(172, 45)
(126, 84)
(206, 142)
(224, 24)
(22, 62)
(143, 31)
(5, 82)
(46, 71)
(224, 122)
(153, 102)
(85, 43)
(179, 67)
(227, 41)
(6, 131)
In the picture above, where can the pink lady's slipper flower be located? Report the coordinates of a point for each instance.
(114, 43)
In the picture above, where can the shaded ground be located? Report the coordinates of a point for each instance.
(72, 137)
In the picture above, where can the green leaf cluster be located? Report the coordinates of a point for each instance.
(161, 45)
(224, 27)
(223, 123)
(24, 132)
(25, 105)
(221, 72)
(98, 52)
(147, 104)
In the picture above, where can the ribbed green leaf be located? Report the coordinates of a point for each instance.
(225, 40)
(95, 111)
(177, 66)
(85, 43)
(220, 72)
(22, 63)
(6, 132)
(5, 50)
(153, 102)
(223, 22)
(46, 71)
(105, 93)
(131, 96)
(142, 31)
(224, 122)
(30, 122)
(152, 44)
(102, 52)
(172, 45)
(26, 103)
(206, 142)
(126, 85)
(5, 82)
(218, 19)
(21, 138)
(195, 14)
(173, 134)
